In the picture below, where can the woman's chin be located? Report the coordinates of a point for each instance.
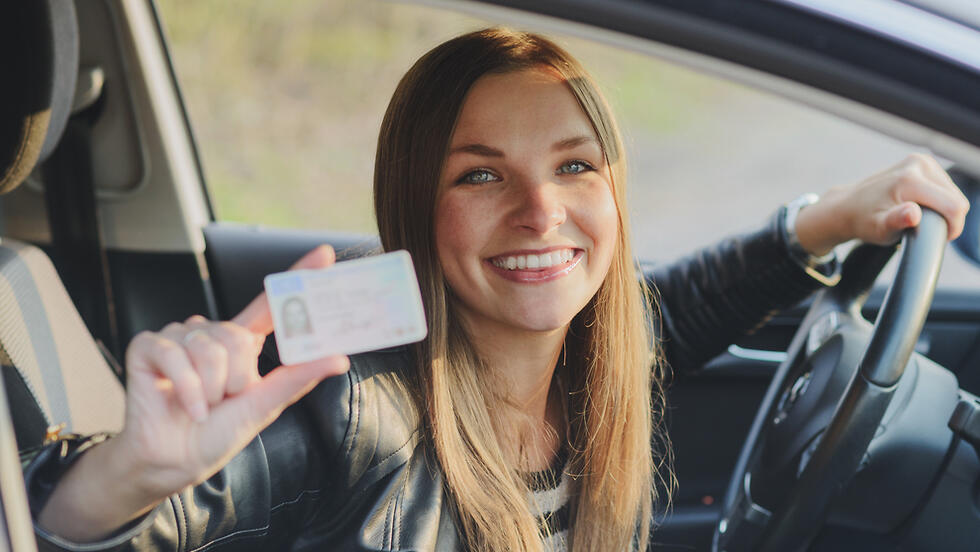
(518, 318)
(543, 322)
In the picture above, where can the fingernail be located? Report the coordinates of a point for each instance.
(199, 412)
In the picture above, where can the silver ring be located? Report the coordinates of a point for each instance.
(193, 334)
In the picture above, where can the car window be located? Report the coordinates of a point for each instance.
(286, 101)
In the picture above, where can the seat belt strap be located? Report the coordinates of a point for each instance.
(76, 233)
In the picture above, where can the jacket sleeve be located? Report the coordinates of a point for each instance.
(709, 299)
(260, 500)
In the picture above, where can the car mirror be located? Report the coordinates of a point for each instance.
(969, 241)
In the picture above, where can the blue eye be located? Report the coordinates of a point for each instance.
(479, 176)
(574, 167)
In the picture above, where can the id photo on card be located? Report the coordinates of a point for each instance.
(296, 318)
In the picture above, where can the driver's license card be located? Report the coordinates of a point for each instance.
(350, 307)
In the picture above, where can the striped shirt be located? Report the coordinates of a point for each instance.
(550, 503)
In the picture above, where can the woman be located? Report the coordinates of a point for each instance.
(524, 420)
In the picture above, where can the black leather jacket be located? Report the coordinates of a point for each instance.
(346, 468)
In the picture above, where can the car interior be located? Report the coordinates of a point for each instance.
(107, 229)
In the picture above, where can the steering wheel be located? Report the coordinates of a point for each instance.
(827, 399)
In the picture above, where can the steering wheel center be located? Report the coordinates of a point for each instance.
(790, 396)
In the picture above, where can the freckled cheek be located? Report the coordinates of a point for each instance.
(457, 227)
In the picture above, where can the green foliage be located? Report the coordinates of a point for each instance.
(286, 97)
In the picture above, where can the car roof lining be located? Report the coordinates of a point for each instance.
(905, 22)
(963, 11)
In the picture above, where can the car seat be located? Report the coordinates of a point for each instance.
(57, 380)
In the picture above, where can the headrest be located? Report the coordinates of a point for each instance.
(39, 55)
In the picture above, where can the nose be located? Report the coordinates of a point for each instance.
(538, 206)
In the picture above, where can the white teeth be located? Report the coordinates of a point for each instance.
(545, 260)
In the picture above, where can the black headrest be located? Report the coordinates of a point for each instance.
(39, 56)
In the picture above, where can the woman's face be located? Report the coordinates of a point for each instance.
(526, 224)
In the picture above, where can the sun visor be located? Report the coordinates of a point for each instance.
(38, 69)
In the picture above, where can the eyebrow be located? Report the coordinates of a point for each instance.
(487, 151)
(574, 142)
(477, 149)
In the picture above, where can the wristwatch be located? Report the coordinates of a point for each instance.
(824, 268)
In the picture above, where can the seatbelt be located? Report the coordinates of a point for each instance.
(76, 232)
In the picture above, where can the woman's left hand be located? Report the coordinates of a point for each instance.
(879, 208)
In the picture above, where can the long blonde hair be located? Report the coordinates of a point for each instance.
(613, 370)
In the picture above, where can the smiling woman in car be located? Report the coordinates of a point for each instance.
(525, 420)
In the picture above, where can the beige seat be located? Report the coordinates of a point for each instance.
(53, 371)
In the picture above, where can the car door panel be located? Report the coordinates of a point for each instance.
(240, 256)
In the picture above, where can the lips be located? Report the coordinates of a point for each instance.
(534, 267)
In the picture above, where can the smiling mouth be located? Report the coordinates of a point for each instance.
(541, 261)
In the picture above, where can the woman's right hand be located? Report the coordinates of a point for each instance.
(194, 400)
(194, 395)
